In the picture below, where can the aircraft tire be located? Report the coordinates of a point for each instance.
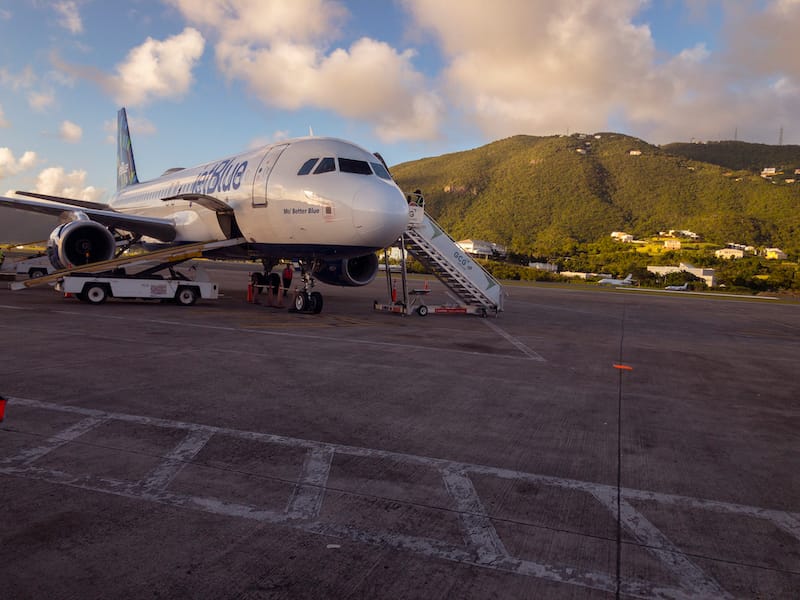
(301, 302)
(316, 303)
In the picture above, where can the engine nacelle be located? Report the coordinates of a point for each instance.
(80, 242)
(348, 272)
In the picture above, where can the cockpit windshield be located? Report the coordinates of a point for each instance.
(346, 165)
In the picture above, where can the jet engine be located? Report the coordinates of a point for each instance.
(348, 272)
(80, 242)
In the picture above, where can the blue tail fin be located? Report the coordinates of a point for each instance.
(126, 167)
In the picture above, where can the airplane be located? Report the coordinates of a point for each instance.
(326, 203)
(678, 288)
(611, 281)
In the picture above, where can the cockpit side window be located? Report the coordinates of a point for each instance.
(326, 165)
(360, 167)
(380, 171)
(307, 166)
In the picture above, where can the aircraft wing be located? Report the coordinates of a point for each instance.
(161, 229)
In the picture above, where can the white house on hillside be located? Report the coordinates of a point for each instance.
(481, 248)
(706, 275)
(729, 253)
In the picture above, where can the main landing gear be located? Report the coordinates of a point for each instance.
(306, 301)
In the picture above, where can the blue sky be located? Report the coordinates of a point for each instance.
(409, 78)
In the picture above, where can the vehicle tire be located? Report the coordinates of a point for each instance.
(36, 273)
(316, 303)
(186, 296)
(301, 302)
(95, 293)
(422, 310)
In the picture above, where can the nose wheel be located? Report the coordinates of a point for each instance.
(306, 301)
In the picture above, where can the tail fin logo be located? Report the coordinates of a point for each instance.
(126, 167)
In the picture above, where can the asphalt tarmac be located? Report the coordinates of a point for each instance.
(586, 443)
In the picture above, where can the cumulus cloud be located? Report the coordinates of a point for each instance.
(41, 101)
(157, 69)
(69, 17)
(585, 65)
(70, 132)
(57, 182)
(10, 165)
(279, 50)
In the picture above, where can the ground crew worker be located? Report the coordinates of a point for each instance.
(287, 278)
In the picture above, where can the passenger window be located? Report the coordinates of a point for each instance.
(380, 171)
(307, 166)
(326, 165)
(360, 167)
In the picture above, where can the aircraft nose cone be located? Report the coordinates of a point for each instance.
(380, 215)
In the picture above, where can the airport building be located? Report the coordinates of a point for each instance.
(706, 275)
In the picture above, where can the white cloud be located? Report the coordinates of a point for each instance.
(40, 101)
(583, 65)
(56, 182)
(69, 17)
(10, 165)
(279, 50)
(3, 121)
(20, 81)
(70, 132)
(155, 69)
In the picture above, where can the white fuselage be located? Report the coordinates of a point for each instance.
(345, 199)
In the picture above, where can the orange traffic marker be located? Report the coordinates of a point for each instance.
(2, 408)
(624, 367)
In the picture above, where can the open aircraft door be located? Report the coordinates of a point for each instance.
(260, 182)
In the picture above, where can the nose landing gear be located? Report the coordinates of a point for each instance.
(306, 301)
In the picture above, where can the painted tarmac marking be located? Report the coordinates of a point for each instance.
(160, 477)
(529, 354)
(483, 546)
(533, 355)
(692, 579)
(308, 494)
(481, 536)
(27, 457)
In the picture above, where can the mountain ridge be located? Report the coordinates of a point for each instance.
(544, 195)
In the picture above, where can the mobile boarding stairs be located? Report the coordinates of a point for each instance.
(478, 292)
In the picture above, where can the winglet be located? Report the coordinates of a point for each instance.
(126, 167)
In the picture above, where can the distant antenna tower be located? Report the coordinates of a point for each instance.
(780, 137)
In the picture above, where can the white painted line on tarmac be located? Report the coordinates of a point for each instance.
(160, 477)
(533, 355)
(69, 434)
(481, 536)
(529, 354)
(308, 494)
(692, 579)
(483, 547)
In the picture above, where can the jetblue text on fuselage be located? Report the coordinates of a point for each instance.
(221, 177)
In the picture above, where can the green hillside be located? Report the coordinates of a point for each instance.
(740, 155)
(545, 195)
